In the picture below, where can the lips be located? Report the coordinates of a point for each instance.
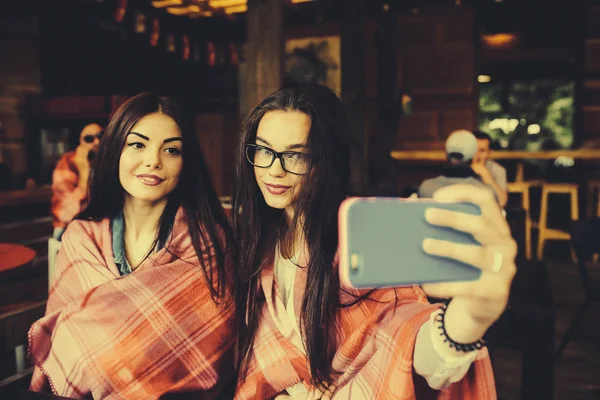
(150, 180)
(277, 189)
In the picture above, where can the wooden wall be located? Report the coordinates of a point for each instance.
(19, 78)
(217, 133)
(590, 102)
(436, 63)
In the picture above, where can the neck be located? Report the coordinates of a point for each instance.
(142, 217)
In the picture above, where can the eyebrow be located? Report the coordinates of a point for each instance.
(290, 147)
(173, 139)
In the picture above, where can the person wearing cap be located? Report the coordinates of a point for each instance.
(490, 172)
(461, 148)
(69, 180)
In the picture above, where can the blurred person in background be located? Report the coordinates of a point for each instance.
(490, 172)
(461, 150)
(70, 179)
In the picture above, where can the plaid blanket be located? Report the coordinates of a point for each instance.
(375, 342)
(140, 336)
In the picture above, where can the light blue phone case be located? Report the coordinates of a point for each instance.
(381, 245)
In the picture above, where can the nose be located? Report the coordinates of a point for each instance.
(153, 160)
(276, 169)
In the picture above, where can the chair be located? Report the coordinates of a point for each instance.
(593, 207)
(528, 325)
(522, 188)
(585, 240)
(15, 321)
(593, 204)
(53, 248)
(546, 233)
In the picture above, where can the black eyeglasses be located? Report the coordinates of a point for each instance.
(292, 161)
(90, 138)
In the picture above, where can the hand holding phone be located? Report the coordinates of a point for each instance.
(381, 243)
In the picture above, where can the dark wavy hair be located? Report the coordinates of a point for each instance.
(257, 227)
(206, 220)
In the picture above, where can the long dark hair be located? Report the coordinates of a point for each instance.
(256, 225)
(206, 220)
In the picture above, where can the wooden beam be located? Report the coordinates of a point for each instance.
(261, 72)
(353, 84)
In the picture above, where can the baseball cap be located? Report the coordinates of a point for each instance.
(461, 145)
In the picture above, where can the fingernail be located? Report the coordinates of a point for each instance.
(429, 215)
(428, 244)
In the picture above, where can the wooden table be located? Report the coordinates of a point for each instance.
(13, 258)
(19, 197)
(518, 155)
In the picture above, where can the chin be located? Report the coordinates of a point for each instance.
(142, 195)
(274, 202)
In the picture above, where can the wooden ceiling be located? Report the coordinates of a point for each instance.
(208, 8)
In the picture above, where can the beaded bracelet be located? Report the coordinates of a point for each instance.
(464, 347)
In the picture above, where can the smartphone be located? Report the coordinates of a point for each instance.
(381, 243)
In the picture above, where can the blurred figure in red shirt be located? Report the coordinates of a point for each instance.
(70, 178)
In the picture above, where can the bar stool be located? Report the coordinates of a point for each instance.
(546, 233)
(522, 188)
(593, 210)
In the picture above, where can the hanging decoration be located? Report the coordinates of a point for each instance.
(170, 43)
(140, 23)
(185, 53)
(121, 10)
(196, 53)
(233, 54)
(155, 32)
(211, 57)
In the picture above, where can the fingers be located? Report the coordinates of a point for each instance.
(473, 255)
(480, 196)
(478, 256)
(482, 230)
(487, 287)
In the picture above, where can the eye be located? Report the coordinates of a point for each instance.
(296, 156)
(264, 151)
(136, 145)
(174, 151)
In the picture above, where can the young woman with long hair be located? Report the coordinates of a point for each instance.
(141, 302)
(300, 332)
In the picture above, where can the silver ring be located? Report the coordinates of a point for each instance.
(498, 260)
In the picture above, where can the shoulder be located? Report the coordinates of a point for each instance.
(493, 165)
(81, 231)
(431, 184)
(65, 166)
(66, 158)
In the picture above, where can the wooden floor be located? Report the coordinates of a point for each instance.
(578, 370)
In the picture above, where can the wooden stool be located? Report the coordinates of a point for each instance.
(555, 234)
(593, 210)
(522, 188)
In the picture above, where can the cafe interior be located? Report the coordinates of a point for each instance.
(409, 72)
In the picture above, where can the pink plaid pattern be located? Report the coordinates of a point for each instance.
(375, 342)
(140, 336)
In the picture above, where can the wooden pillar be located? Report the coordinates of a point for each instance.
(261, 72)
(353, 85)
(388, 102)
